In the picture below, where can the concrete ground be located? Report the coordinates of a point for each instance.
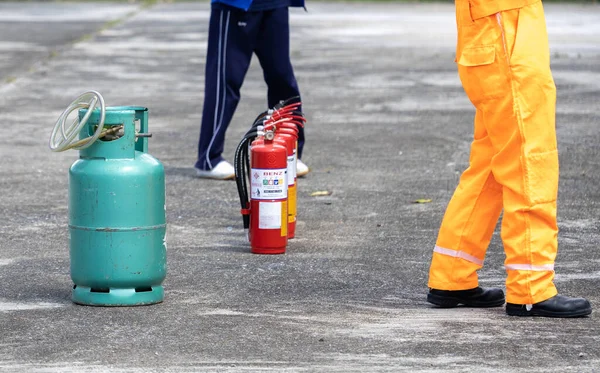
(388, 124)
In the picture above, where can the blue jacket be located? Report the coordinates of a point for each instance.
(245, 4)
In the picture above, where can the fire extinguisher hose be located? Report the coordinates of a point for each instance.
(241, 165)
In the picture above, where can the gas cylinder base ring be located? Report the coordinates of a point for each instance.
(62, 137)
(117, 297)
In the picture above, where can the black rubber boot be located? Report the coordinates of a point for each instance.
(478, 297)
(557, 306)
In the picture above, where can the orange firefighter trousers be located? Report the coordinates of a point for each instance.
(504, 65)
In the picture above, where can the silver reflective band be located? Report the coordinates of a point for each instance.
(529, 267)
(458, 254)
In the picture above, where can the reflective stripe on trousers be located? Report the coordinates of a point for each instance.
(504, 65)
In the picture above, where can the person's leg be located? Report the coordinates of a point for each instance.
(529, 229)
(273, 52)
(473, 211)
(527, 164)
(231, 39)
(469, 220)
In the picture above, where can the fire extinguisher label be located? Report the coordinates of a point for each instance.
(269, 184)
(269, 215)
(291, 161)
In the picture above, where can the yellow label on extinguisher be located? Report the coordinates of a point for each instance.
(292, 196)
(284, 212)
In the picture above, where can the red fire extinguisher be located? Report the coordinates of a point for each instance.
(268, 196)
(289, 139)
(287, 119)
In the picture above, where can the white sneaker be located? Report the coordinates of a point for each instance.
(301, 168)
(222, 171)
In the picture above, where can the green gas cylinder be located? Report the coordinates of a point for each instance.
(117, 220)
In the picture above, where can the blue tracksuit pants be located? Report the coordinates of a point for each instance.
(233, 36)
